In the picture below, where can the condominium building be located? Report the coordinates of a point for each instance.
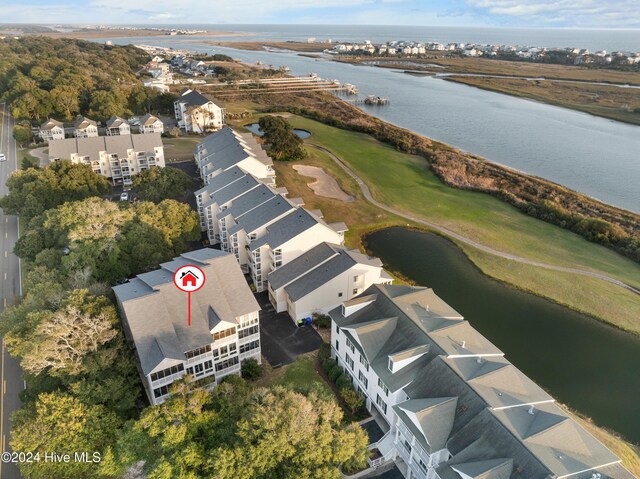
(224, 330)
(83, 127)
(226, 148)
(115, 157)
(451, 405)
(321, 279)
(151, 124)
(196, 113)
(51, 130)
(284, 240)
(117, 126)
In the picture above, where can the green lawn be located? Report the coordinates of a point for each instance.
(302, 375)
(178, 149)
(405, 182)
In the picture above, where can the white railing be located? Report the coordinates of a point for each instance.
(167, 379)
(200, 357)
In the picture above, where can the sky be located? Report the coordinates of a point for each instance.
(505, 13)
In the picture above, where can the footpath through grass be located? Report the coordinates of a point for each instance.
(405, 182)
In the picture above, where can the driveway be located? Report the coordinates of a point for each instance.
(283, 341)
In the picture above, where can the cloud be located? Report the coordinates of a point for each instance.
(575, 13)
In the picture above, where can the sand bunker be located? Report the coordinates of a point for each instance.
(325, 185)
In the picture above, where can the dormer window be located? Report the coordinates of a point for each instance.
(390, 364)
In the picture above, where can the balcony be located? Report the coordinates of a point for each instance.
(166, 380)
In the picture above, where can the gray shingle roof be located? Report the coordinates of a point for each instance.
(493, 423)
(286, 229)
(264, 214)
(225, 158)
(148, 119)
(83, 122)
(301, 265)
(194, 98)
(248, 201)
(50, 124)
(154, 309)
(115, 122)
(91, 147)
(233, 190)
(222, 180)
(429, 419)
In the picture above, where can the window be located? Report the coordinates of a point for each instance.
(337, 329)
(339, 295)
(224, 334)
(198, 369)
(349, 361)
(227, 364)
(382, 386)
(245, 348)
(382, 405)
(167, 372)
(337, 345)
(390, 364)
(243, 333)
(351, 346)
(356, 279)
(208, 366)
(197, 352)
(422, 466)
(364, 362)
(161, 391)
(355, 291)
(224, 351)
(363, 379)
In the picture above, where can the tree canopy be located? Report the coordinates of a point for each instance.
(157, 184)
(282, 142)
(108, 241)
(239, 431)
(32, 191)
(43, 77)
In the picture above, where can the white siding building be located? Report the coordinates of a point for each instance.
(117, 126)
(195, 113)
(115, 157)
(285, 240)
(85, 128)
(321, 279)
(451, 405)
(151, 124)
(224, 331)
(226, 148)
(51, 130)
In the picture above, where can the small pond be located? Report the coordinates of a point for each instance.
(255, 129)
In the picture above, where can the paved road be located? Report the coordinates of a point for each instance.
(367, 194)
(10, 289)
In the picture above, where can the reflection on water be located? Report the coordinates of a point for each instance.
(586, 364)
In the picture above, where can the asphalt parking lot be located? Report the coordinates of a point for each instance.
(283, 341)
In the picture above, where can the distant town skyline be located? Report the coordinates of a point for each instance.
(496, 13)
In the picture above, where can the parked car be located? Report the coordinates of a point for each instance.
(124, 196)
(2, 157)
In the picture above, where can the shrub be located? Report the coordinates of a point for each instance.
(343, 382)
(335, 372)
(250, 369)
(353, 400)
(324, 352)
(321, 320)
(327, 364)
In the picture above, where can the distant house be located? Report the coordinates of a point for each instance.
(117, 126)
(322, 279)
(85, 128)
(117, 157)
(151, 124)
(196, 113)
(224, 330)
(51, 130)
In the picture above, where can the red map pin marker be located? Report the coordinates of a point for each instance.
(189, 279)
